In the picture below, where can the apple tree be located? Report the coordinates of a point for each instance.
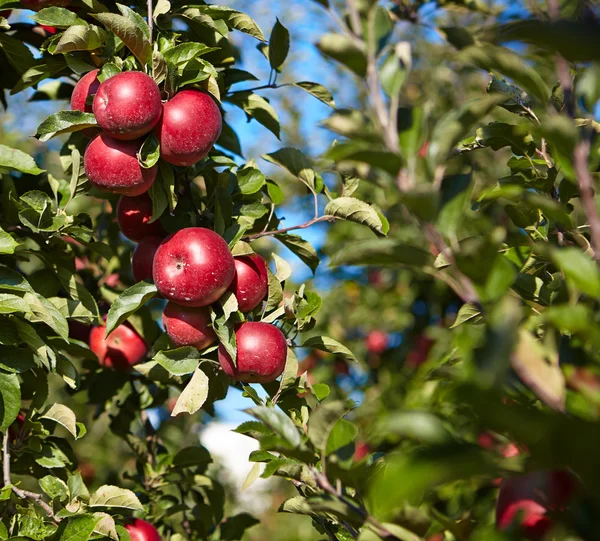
(140, 271)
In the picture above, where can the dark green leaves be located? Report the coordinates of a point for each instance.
(279, 45)
(324, 343)
(149, 153)
(127, 303)
(80, 38)
(383, 252)
(358, 211)
(132, 34)
(322, 421)
(295, 162)
(10, 399)
(18, 160)
(194, 395)
(64, 122)
(258, 108)
(115, 497)
(57, 17)
(343, 50)
(318, 91)
(580, 270)
(302, 248)
(278, 422)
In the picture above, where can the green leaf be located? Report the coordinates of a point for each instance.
(162, 7)
(136, 19)
(382, 252)
(279, 45)
(80, 38)
(11, 304)
(129, 302)
(343, 433)
(45, 311)
(295, 162)
(178, 361)
(149, 152)
(115, 497)
(57, 17)
(79, 528)
(17, 53)
(64, 416)
(234, 19)
(257, 108)
(278, 422)
(234, 527)
(184, 52)
(64, 122)
(395, 69)
(18, 160)
(129, 33)
(324, 343)
(194, 395)
(580, 270)
(7, 243)
(318, 91)
(341, 49)
(302, 248)
(250, 180)
(10, 395)
(322, 421)
(467, 312)
(358, 211)
(54, 487)
(290, 372)
(455, 125)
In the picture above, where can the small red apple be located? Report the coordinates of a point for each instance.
(531, 496)
(49, 29)
(86, 86)
(377, 342)
(143, 258)
(188, 326)
(193, 267)
(261, 353)
(420, 352)
(189, 127)
(88, 472)
(250, 281)
(141, 530)
(341, 367)
(121, 350)
(134, 215)
(112, 165)
(127, 105)
(14, 430)
(36, 5)
(361, 450)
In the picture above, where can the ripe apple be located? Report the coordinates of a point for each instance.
(121, 350)
(361, 450)
(377, 342)
(250, 282)
(193, 267)
(143, 258)
(88, 472)
(134, 215)
(86, 86)
(36, 5)
(189, 127)
(112, 165)
(127, 105)
(141, 530)
(531, 496)
(188, 326)
(261, 353)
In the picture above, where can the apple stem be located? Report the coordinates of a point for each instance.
(23, 494)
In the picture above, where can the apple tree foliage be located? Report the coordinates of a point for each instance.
(464, 182)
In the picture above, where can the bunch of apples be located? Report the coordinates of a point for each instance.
(193, 267)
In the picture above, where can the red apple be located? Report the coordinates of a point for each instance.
(361, 450)
(121, 350)
(134, 215)
(112, 165)
(420, 352)
(143, 258)
(141, 530)
(86, 86)
(190, 125)
(188, 326)
(14, 431)
(250, 282)
(261, 353)
(88, 472)
(79, 331)
(49, 29)
(193, 267)
(127, 105)
(377, 342)
(36, 5)
(531, 496)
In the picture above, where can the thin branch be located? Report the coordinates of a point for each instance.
(23, 494)
(261, 87)
(286, 229)
(586, 188)
(150, 19)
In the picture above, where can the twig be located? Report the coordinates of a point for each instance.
(586, 188)
(286, 229)
(261, 87)
(23, 494)
(150, 19)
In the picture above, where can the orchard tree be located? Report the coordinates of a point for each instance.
(143, 273)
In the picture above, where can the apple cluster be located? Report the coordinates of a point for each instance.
(127, 107)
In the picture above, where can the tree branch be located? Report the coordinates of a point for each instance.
(286, 229)
(150, 19)
(23, 494)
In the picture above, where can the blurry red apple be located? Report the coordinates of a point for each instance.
(250, 281)
(361, 450)
(127, 105)
(193, 267)
(121, 350)
(189, 127)
(88, 472)
(134, 215)
(141, 530)
(49, 29)
(261, 353)
(188, 326)
(531, 496)
(377, 342)
(341, 367)
(420, 352)
(143, 258)
(112, 165)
